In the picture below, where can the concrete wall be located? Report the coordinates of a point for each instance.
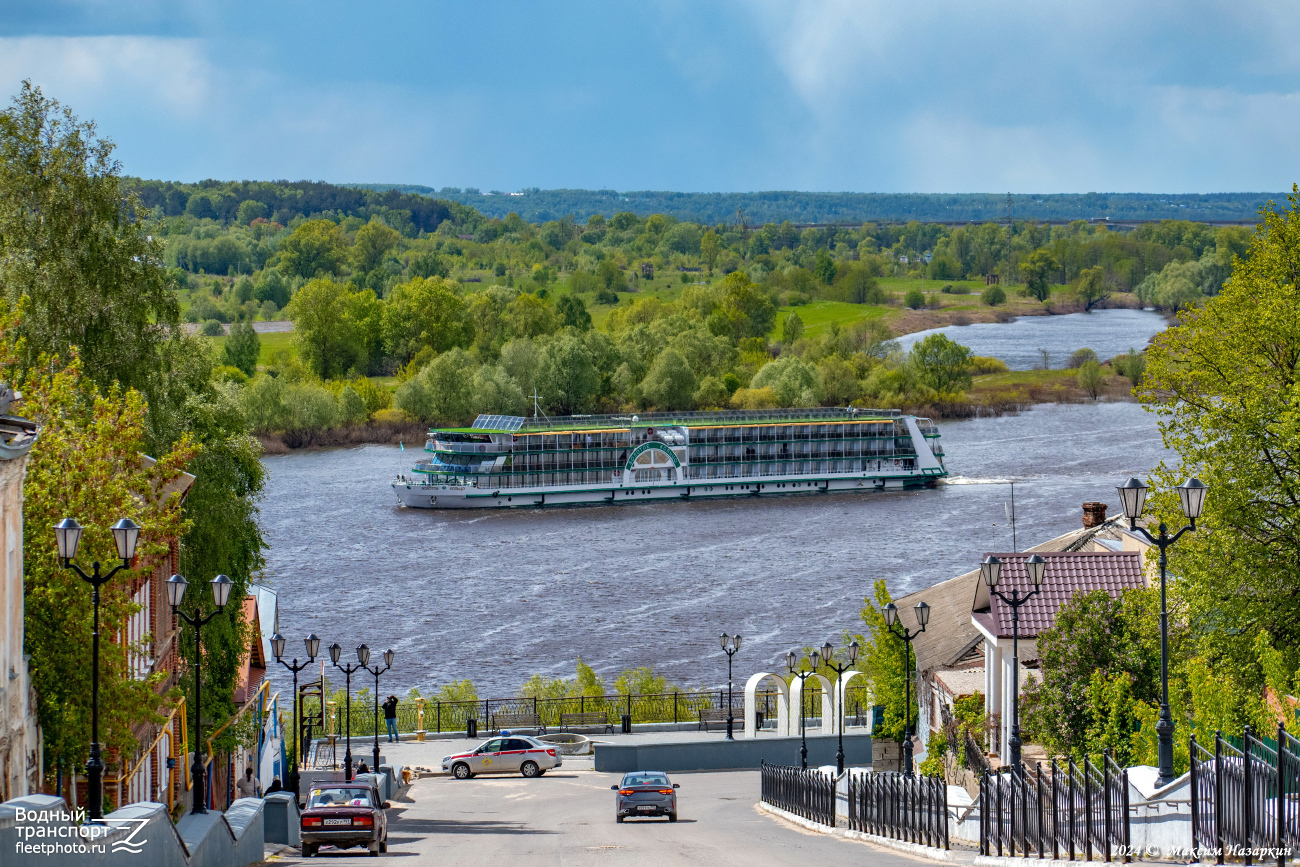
(717, 754)
(19, 739)
(136, 834)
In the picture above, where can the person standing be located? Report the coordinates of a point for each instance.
(390, 717)
(247, 786)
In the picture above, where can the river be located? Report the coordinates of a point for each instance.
(498, 595)
(1106, 332)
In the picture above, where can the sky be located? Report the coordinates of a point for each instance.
(839, 95)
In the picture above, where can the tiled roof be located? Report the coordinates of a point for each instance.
(1067, 573)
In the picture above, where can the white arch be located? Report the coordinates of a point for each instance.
(782, 703)
(828, 703)
(841, 690)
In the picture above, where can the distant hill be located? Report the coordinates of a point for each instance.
(536, 205)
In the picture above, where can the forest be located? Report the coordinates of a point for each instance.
(397, 318)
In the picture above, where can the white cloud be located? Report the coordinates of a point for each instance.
(88, 72)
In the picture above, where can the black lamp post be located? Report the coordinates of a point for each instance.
(922, 612)
(67, 534)
(730, 645)
(220, 595)
(991, 571)
(312, 645)
(335, 653)
(363, 654)
(828, 651)
(1132, 495)
(792, 662)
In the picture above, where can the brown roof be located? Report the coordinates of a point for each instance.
(1068, 573)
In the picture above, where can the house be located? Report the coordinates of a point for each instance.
(20, 754)
(952, 658)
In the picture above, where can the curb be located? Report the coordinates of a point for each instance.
(930, 852)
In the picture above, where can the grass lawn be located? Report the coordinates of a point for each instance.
(279, 340)
(818, 315)
(1016, 378)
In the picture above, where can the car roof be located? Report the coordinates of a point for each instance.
(646, 774)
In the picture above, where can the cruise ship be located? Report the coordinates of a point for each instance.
(512, 461)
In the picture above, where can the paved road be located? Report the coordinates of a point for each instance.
(567, 818)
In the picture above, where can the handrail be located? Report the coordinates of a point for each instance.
(261, 705)
(164, 729)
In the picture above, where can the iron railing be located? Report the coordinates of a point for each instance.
(803, 791)
(1246, 800)
(1071, 812)
(900, 806)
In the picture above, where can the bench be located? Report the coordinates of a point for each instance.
(719, 715)
(590, 719)
(501, 721)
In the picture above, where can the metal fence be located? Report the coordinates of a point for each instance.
(900, 806)
(1246, 800)
(803, 791)
(1072, 812)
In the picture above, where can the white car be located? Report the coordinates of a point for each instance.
(507, 754)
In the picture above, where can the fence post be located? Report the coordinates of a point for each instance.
(944, 789)
(1105, 798)
(1280, 823)
(1038, 779)
(675, 709)
(1247, 799)
(1218, 796)
(1128, 847)
(629, 708)
(1056, 813)
(1073, 801)
(1087, 807)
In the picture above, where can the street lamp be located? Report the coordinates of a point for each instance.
(922, 611)
(730, 645)
(1132, 495)
(991, 572)
(67, 535)
(363, 654)
(792, 662)
(828, 651)
(312, 645)
(335, 653)
(220, 595)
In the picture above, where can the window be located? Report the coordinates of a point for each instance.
(645, 780)
(517, 744)
(492, 746)
(340, 797)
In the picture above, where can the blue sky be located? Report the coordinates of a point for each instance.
(694, 96)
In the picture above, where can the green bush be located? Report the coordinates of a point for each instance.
(1090, 378)
(212, 328)
(982, 365)
(914, 299)
(1079, 358)
(993, 296)
(606, 296)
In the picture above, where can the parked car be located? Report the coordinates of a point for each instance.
(343, 815)
(505, 755)
(645, 793)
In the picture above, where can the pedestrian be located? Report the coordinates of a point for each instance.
(247, 786)
(390, 717)
(275, 786)
(362, 769)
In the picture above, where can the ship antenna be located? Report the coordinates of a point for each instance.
(536, 410)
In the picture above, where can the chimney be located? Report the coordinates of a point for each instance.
(1094, 515)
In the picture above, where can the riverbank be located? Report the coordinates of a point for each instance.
(1019, 390)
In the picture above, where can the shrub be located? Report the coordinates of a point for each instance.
(935, 751)
(982, 365)
(754, 398)
(914, 299)
(228, 373)
(1090, 378)
(606, 296)
(212, 328)
(993, 296)
(391, 415)
(948, 290)
(1079, 358)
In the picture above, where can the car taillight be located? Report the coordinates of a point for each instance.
(363, 820)
(310, 821)
(625, 791)
(665, 791)
(551, 753)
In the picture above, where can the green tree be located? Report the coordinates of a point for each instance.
(1092, 287)
(427, 263)
(529, 315)
(670, 383)
(1090, 378)
(744, 311)
(569, 379)
(914, 298)
(710, 246)
(794, 380)
(573, 313)
(610, 275)
(273, 288)
(1225, 385)
(838, 381)
(886, 662)
(75, 258)
(791, 329)
(373, 242)
(941, 364)
(315, 249)
(242, 348)
(323, 331)
(250, 210)
(426, 312)
(824, 267)
(1036, 269)
(993, 296)
(441, 393)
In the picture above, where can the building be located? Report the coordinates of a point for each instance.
(20, 754)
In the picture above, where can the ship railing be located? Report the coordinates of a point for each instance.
(741, 416)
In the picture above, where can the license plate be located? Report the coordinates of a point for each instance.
(338, 822)
(647, 809)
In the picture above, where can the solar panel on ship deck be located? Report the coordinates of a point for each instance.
(498, 422)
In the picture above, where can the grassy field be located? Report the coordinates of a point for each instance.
(271, 343)
(817, 316)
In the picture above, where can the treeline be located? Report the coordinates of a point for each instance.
(537, 205)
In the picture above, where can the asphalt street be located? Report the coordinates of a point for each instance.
(567, 818)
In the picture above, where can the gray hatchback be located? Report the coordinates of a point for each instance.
(645, 793)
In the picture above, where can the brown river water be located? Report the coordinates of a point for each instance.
(495, 596)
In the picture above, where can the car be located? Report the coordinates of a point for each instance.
(645, 793)
(343, 815)
(505, 754)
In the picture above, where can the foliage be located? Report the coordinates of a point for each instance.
(1132, 365)
(941, 364)
(643, 681)
(791, 329)
(914, 299)
(315, 249)
(440, 393)
(1080, 357)
(1092, 287)
(885, 660)
(935, 749)
(1036, 268)
(242, 348)
(1090, 378)
(670, 383)
(993, 296)
(425, 312)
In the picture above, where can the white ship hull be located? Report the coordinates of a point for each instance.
(415, 494)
